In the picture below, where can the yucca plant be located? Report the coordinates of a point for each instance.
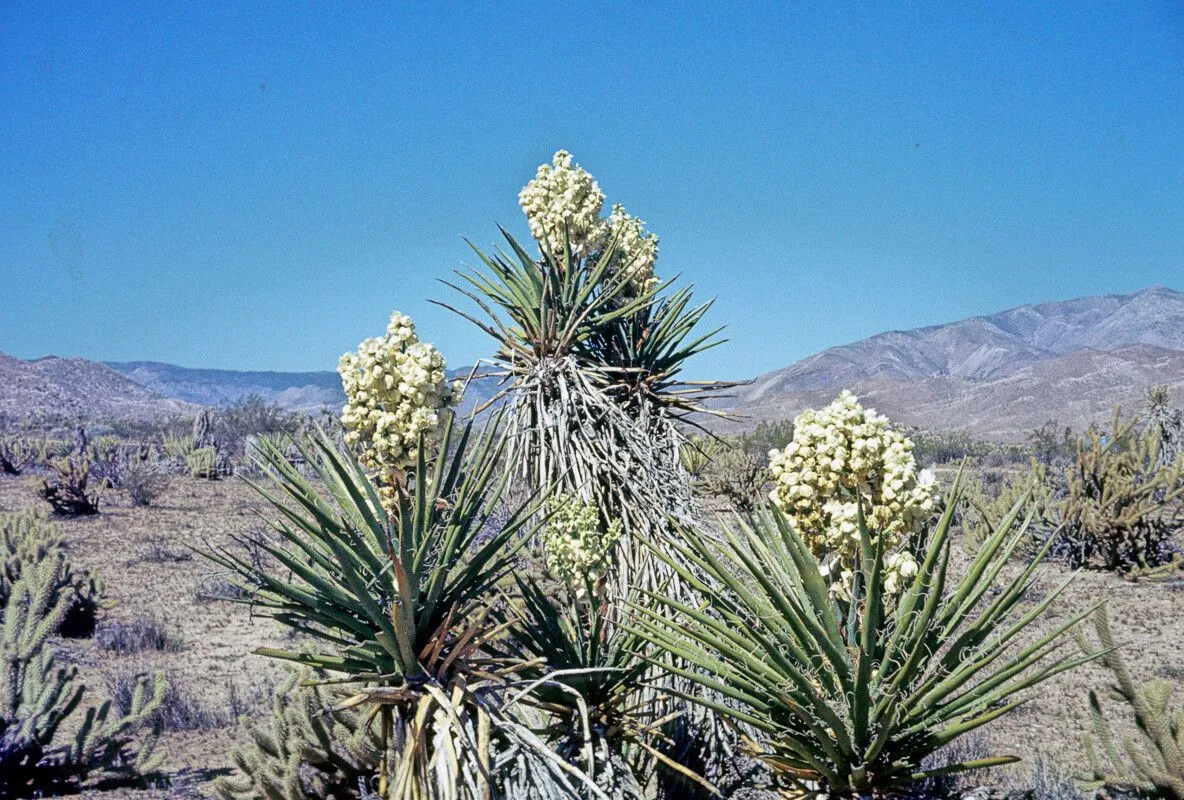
(590, 683)
(850, 696)
(591, 347)
(397, 605)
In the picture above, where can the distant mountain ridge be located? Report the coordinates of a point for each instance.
(75, 388)
(996, 376)
(306, 391)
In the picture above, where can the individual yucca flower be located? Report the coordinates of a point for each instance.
(845, 460)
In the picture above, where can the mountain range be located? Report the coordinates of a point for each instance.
(996, 377)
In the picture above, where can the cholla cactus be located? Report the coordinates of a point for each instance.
(397, 392)
(304, 751)
(1151, 765)
(841, 457)
(28, 539)
(1121, 505)
(37, 696)
(577, 543)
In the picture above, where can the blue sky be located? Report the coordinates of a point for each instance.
(256, 186)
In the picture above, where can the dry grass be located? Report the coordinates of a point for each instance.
(141, 554)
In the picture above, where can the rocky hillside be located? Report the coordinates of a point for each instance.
(295, 391)
(997, 376)
(307, 391)
(74, 388)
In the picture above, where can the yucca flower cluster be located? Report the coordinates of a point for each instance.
(839, 456)
(563, 193)
(576, 543)
(396, 391)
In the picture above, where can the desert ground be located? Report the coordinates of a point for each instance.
(149, 560)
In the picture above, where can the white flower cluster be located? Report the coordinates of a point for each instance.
(396, 390)
(838, 457)
(638, 250)
(576, 545)
(564, 193)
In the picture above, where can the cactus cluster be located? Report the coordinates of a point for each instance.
(301, 752)
(1121, 505)
(28, 540)
(48, 742)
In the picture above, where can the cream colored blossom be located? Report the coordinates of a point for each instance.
(576, 543)
(396, 391)
(564, 193)
(840, 456)
(637, 251)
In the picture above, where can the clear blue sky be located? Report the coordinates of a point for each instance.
(257, 186)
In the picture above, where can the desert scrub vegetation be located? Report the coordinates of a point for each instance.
(528, 607)
(1115, 505)
(49, 742)
(303, 751)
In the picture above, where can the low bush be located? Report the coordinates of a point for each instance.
(136, 636)
(68, 491)
(178, 709)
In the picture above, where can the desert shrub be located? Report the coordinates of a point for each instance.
(136, 636)
(983, 507)
(145, 479)
(45, 746)
(1152, 764)
(305, 750)
(736, 475)
(1051, 444)
(29, 541)
(68, 491)
(767, 435)
(1121, 505)
(220, 586)
(159, 552)
(177, 710)
(251, 415)
(850, 692)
